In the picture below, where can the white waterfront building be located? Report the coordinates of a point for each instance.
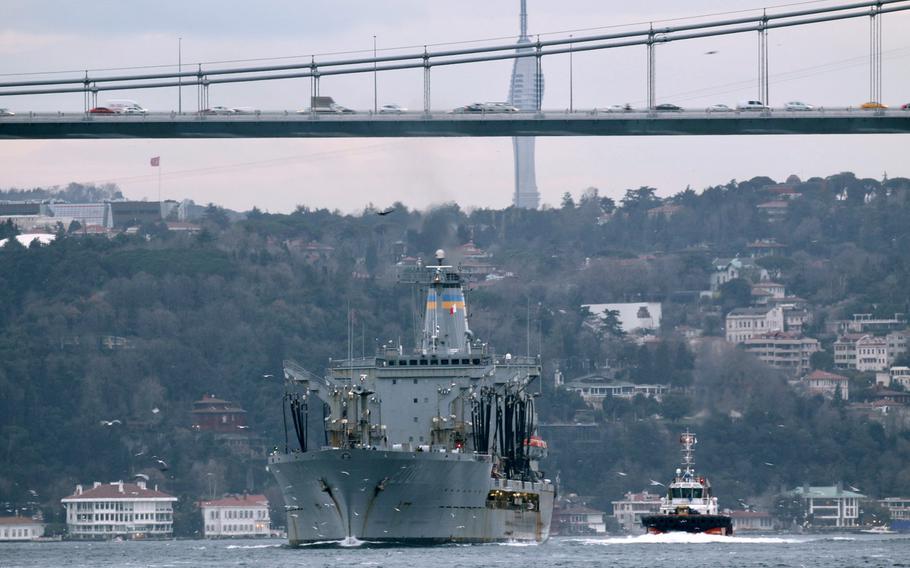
(118, 509)
(236, 516)
(20, 528)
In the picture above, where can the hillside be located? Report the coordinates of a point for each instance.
(136, 328)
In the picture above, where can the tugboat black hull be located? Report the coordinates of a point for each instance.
(708, 524)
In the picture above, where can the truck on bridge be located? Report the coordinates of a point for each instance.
(325, 105)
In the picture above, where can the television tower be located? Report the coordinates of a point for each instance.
(526, 94)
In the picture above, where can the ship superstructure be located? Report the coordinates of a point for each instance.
(437, 445)
(689, 505)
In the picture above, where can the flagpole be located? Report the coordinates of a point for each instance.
(159, 182)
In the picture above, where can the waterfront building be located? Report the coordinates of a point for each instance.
(629, 510)
(829, 506)
(751, 521)
(571, 518)
(118, 509)
(899, 509)
(236, 516)
(525, 94)
(20, 528)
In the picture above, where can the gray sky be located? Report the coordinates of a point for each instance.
(824, 64)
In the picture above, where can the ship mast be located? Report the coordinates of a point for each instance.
(688, 441)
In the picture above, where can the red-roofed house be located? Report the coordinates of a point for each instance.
(211, 414)
(826, 384)
(126, 510)
(236, 516)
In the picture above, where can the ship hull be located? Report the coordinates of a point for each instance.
(707, 524)
(405, 498)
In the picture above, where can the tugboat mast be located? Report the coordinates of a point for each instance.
(688, 441)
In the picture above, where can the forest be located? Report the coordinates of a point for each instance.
(216, 312)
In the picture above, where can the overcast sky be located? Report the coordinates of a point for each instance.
(823, 64)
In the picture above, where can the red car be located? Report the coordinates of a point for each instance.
(101, 110)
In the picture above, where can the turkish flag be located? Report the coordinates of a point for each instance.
(156, 161)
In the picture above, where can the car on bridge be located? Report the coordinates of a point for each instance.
(752, 105)
(797, 105)
(218, 110)
(873, 105)
(905, 107)
(473, 107)
(720, 107)
(101, 110)
(245, 110)
(6, 112)
(668, 107)
(392, 109)
(616, 108)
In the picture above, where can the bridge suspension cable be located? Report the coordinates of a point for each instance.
(427, 59)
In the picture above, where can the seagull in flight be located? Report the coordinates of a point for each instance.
(621, 474)
(385, 212)
(653, 482)
(156, 410)
(712, 52)
(110, 422)
(267, 376)
(345, 472)
(242, 427)
(854, 489)
(162, 465)
(769, 464)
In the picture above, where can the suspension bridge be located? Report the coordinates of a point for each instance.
(650, 120)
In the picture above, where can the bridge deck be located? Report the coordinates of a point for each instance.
(440, 124)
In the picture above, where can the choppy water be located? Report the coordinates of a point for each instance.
(564, 552)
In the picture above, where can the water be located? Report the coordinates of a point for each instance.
(563, 552)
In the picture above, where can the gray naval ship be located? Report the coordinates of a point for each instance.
(430, 447)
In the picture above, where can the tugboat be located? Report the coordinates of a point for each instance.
(689, 505)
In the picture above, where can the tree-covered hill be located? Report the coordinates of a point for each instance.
(136, 328)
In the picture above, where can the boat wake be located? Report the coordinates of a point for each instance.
(235, 546)
(687, 538)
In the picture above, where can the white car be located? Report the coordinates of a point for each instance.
(392, 109)
(6, 112)
(217, 110)
(719, 108)
(797, 105)
(244, 110)
(752, 105)
(499, 107)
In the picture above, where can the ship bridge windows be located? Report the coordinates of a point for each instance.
(434, 361)
(424, 362)
(512, 500)
(686, 492)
